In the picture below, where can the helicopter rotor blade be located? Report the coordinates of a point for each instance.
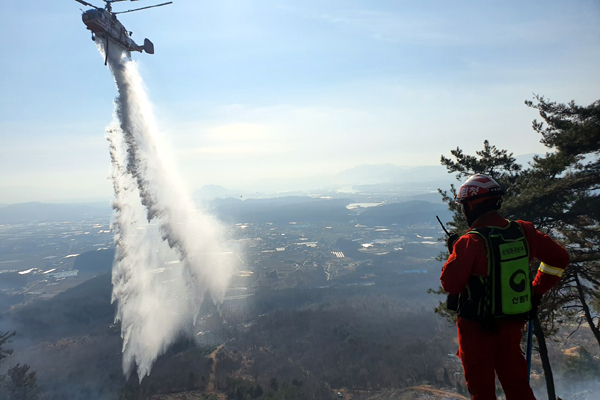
(85, 3)
(143, 8)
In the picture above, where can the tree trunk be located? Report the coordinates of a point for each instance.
(586, 309)
(543, 350)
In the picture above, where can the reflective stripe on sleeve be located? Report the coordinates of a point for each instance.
(550, 270)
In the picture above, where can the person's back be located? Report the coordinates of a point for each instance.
(488, 270)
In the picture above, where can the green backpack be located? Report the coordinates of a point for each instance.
(506, 290)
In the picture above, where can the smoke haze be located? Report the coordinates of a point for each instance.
(169, 257)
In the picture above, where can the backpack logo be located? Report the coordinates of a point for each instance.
(518, 285)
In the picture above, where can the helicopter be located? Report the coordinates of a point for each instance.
(104, 24)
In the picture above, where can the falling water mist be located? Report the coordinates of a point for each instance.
(169, 257)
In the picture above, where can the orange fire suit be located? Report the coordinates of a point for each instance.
(482, 351)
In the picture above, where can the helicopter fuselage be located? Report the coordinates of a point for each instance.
(106, 26)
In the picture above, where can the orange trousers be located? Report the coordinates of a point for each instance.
(484, 354)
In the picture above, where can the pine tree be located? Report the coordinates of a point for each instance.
(21, 383)
(565, 198)
(18, 383)
(5, 338)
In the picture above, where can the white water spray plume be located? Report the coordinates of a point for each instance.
(169, 257)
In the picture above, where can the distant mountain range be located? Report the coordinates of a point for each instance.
(366, 174)
(367, 178)
(210, 192)
(399, 183)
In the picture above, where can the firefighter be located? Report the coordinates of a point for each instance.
(488, 269)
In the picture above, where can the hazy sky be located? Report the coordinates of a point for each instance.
(250, 90)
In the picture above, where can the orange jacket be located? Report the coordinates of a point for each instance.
(469, 257)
